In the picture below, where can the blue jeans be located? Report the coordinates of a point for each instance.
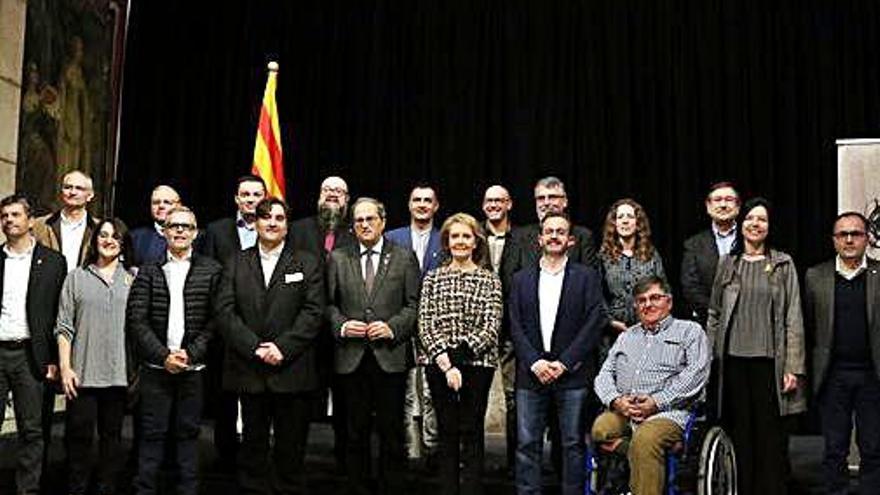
(531, 418)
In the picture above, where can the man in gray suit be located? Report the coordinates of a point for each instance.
(840, 316)
(373, 288)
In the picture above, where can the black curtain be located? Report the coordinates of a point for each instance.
(653, 100)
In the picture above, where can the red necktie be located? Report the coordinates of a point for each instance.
(329, 241)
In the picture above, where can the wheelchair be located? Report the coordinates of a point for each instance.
(703, 463)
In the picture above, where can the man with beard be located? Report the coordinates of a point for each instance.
(148, 243)
(224, 239)
(320, 234)
(702, 251)
(424, 240)
(550, 197)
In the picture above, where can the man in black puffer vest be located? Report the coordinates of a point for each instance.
(170, 309)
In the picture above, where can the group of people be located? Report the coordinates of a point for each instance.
(406, 328)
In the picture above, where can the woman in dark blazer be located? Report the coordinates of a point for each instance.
(757, 333)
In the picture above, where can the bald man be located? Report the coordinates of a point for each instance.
(149, 242)
(69, 229)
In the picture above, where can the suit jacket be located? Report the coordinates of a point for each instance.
(148, 246)
(583, 252)
(403, 237)
(47, 231)
(511, 262)
(305, 234)
(394, 299)
(579, 323)
(698, 267)
(48, 269)
(288, 313)
(221, 240)
(819, 315)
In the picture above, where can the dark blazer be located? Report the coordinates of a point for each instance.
(403, 237)
(583, 251)
(221, 240)
(148, 304)
(47, 231)
(819, 315)
(288, 313)
(394, 300)
(511, 262)
(579, 323)
(48, 269)
(305, 234)
(698, 267)
(148, 246)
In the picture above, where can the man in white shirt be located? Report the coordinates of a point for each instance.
(31, 277)
(170, 312)
(69, 229)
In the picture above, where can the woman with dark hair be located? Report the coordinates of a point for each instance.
(757, 333)
(627, 255)
(459, 320)
(90, 330)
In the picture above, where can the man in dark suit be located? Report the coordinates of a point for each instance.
(374, 293)
(169, 314)
(224, 239)
(31, 277)
(504, 260)
(423, 239)
(69, 229)
(148, 243)
(702, 251)
(550, 197)
(271, 307)
(841, 300)
(556, 318)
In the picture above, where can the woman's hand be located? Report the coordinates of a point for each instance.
(618, 326)
(453, 378)
(69, 383)
(789, 383)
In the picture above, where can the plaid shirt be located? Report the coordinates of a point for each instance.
(671, 365)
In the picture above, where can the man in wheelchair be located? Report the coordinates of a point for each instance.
(654, 372)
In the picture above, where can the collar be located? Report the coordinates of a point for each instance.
(241, 223)
(491, 232)
(160, 229)
(561, 268)
(661, 326)
(377, 248)
(273, 253)
(719, 234)
(67, 222)
(171, 258)
(28, 252)
(845, 272)
(421, 232)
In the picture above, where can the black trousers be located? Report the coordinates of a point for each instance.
(843, 393)
(104, 408)
(168, 399)
(27, 399)
(288, 416)
(370, 390)
(751, 417)
(460, 420)
(222, 405)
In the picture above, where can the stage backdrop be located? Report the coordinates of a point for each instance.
(653, 100)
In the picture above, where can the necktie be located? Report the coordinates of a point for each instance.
(329, 241)
(369, 270)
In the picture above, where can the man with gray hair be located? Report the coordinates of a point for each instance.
(148, 243)
(69, 229)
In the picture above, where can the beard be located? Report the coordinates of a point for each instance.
(330, 218)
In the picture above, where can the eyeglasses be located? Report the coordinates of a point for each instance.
(180, 226)
(845, 234)
(724, 199)
(370, 219)
(335, 190)
(497, 200)
(653, 299)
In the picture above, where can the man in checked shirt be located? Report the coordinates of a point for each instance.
(653, 373)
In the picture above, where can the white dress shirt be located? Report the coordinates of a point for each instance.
(420, 240)
(16, 274)
(845, 272)
(549, 293)
(72, 233)
(268, 260)
(724, 241)
(176, 270)
(377, 251)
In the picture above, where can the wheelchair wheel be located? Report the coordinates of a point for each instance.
(717, 469)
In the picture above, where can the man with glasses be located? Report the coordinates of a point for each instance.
(550, 197)
(169, 315)
(654, 373)
(702, 251)
(556, 318)
(839, 295)
(69, 229)
(374, 298)
(149, 243)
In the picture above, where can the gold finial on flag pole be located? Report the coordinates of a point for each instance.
(273, 66)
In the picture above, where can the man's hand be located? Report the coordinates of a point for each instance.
(51, 372)
(644, 406)
(624, 404)
(354, 329)
(69, 383)
(558, 369)
(270, 354)
(789, 383)
(379, 330)
(544, 371)
(618, 326)
(176, 361)
(453, 378)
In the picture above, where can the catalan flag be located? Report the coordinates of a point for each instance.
(268, 158)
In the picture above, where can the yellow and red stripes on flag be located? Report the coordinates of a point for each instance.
(268, 158)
